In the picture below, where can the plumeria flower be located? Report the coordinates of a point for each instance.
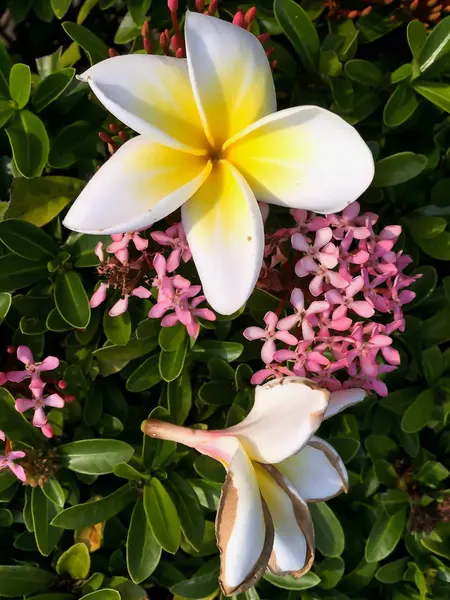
(274, 466)
(175, 238)
(211, 142)
(269, 334)
(32, 368)
(7, 462)
(301, 316)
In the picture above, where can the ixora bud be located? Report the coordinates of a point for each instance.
(275, 465)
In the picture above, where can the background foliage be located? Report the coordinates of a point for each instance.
(119, 516)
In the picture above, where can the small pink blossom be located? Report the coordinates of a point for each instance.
(2, 436)
(269, 334)
(346, 222)
(121, 241)
(304, 360)
(175, 238)
(7, 462)
(321, 253)
(32, 369)
(99, 295)
(37, 404)
(301, 316)
(347, 302)
(273, 370)
(3, 378)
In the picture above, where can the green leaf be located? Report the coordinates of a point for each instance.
(83, 250)
(71, 299)
(364, 72)
(289, 582)
(201, 585)
(432, 473)
(179, 398)
(189, 510)
(85, 10)
(171, 338)
(75, 562)
(127, 31)
(359, 578)
(6, 517)
(171, 363)
(143, 551)
(128, 472)
(217, 393)
(330, 572)
(145, 376)
(437, 93)
(379, 446)
(75, 142)
(43, 511)
(403, 72)
(5, 305)
(41, 200)
(384, 536)
(400, 106)
(330, 538)
(94, 457)
(6, 111)
(436, 45)
(5, 69)
(300, 31)
(162, 516)
(117, 329)
(14, 424)
(138, 10)
(433, 364)
(95, 511)
(54, 492)
(417, 34)
(437, 247)
(60, 7)
(392, 572)
(24, 580)
(94, 47)
(29, 143)
(27, 240)
(419, 413)
(20, 84)
(104, 594)
(398, 168)
(52, 87)
(207, 349)
(425, 228)
(112, 359)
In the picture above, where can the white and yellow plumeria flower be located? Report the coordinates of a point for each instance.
(274, 466)
(212, 142)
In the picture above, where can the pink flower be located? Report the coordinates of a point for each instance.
(99, 295)
(174, 294)
(312, 361)
(7, 462)
(32, 369)
(366, 349)
(119, 246)
(98, 251)
(321, 253)
(3, 378)
(346, 302)
(301, 315)
(273, 370)
(346, 222)
(269, 334)
(37, 404)
(2, 436)
(121, 305)
(193, 328)
(175, 238)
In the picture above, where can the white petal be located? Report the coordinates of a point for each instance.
(303, 157)
(140, 184)
(293, 545)
(243, 527)
(316, 472)
(341, 399)
(152, 95)
(285, 414)
(230, 76)
(225, 232)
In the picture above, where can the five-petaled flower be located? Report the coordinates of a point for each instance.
(275, 465)
(212, 143)
(7, 462)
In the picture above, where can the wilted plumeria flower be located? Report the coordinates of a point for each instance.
(274, 466)
(202, 150)
(349, 278)
(7, 462)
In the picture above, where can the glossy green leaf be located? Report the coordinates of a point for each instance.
(289, 582)
(94, 457)
(54, 492)
(43, 511)
(401, 106)
(162, 515)
(138, 9)
(104, 594)
(171, 338)
(398, 168)
(436, 45)
(6, 517)
(127, 31)
(29, 143)
(27, 240)
(71, 299)
(179, 398)
(330, 572)
(435, 92)
(52, 87)
(438, 247)
(206, 349)
(418, 414)
(83, 250)
(199, 585)
(300, 31)
(145, 376)
(60, 7)
(143, 551)
(21, 580)
(75, 562)
(384, 536)
(94, 47)
(20, 84)
(5, 69)
(392, 572)
(5, 305)
(417, 35)
(6, 111)
(117, 329)
(188, 508)
(95, 511)
(171, 363)
(75, 142)
(330, 538)
(364, 72)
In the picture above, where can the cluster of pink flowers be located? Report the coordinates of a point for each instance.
(175, 294)
(38, 400)
(346, 274)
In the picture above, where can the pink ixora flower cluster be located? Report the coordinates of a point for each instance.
(38, 400)
(133, 272)
(348, 280)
